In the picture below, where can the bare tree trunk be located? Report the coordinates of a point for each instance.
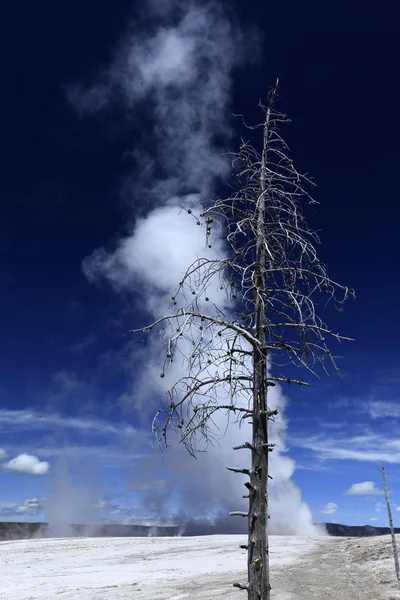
(394, 544)
(274, 269)
(258, 549)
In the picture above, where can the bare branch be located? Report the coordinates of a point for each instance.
(215, 321)
(243, 471)
(245, 445)
(241, 586)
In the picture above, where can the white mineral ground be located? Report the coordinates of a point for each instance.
(194, 568)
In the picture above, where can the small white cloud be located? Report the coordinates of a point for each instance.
(29, 507)
(374, 519)
(329, 508)
(364, 488)
(3, 453)
(26, 463)
(378, 506)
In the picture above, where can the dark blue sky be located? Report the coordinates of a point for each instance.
(65, 191)
(62, 177)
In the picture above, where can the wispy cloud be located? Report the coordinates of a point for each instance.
(68, 391)
(329, 508)
(301, 467)
(364, 488)
(104, 455)
(31, 507)
(28, 420)
(3, 453)
(331, 425)
(27, 464)
(342, 402)
(379, 401)
(381, 409)
(106, 506)
(140, 485)
(370, 447)
(82, 345)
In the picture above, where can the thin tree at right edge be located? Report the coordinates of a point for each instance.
(394, 543)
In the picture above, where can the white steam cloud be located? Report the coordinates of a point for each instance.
(179, 72)
(180, 69)
(72, 497)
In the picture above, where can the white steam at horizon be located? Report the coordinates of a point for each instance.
(72, 498)
(183, 72)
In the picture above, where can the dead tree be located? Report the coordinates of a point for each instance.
(394, 544)
(240, 322)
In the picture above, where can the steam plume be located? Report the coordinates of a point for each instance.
(176, 71)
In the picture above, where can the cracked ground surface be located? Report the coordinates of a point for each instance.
(198, 568)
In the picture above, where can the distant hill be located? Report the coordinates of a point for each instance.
(336, 529)
(19, 531)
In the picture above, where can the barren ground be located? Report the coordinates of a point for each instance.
(194, 568)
